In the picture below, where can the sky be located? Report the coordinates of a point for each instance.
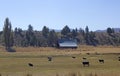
(55, 14)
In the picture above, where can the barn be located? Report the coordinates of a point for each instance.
(67, 43)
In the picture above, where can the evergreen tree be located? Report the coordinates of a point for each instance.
(87, 37)
(65, 31)
(31, 39)
(92, 39)
(11, 39)
(7, 33)
(45, 32)
(110, 30)
(52, 38)
(19, 37)
(82, 32)
(74, 33)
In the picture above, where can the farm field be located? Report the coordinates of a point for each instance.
(62, 64)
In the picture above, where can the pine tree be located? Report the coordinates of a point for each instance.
(45, 32)
(110, 30)
(52, 38)
(31, 39)
(87, 37)
(74, 33)
(65, 31)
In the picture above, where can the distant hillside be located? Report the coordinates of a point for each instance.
(115, 29)
(56, 30)
(100, 31)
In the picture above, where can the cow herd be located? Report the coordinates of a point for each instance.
(31, 65)
(85, 62)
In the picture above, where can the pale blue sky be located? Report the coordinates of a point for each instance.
(55, 14)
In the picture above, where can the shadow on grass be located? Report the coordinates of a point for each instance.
(10, 50)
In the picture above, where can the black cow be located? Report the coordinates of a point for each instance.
(49, 58)
(88, 53)
(101, 60)
(85, 63)
(73, 57)
(30, 64)
(84, 58)
(118, 59)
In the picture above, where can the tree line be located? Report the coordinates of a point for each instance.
(49, 38)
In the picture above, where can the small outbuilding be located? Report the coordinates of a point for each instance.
(67, 43)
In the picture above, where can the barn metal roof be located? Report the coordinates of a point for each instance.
(67, 43)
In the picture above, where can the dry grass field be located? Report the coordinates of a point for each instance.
(62, 64)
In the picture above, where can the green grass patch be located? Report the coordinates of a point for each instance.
(17, 63)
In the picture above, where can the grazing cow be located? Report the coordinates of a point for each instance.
(49, 58)
(85, 63)
(118, 59)
(30, 64)
(101, 60)
(84, 58)
(73, 57)
(88, 53)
